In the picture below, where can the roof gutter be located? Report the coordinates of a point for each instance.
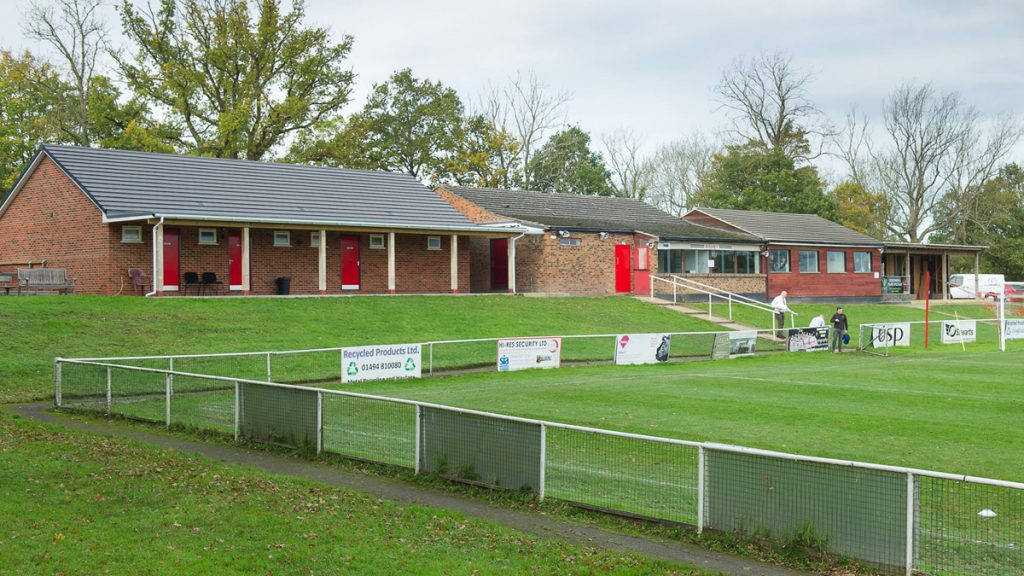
(159, 224)
(285, 221)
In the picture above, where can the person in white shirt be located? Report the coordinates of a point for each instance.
(818, 321)
(781, 307)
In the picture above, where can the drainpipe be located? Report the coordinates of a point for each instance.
(514, 261)
(160, 224)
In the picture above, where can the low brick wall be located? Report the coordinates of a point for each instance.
(751, 285)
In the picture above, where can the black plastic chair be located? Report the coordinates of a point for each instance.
(210, 280)
(191, 279)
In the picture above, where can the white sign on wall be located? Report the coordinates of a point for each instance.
(889, 335)
(742, 343)
(1014, 329)
(525, 353)
(385, 362)
(642, 348)
(957, 331)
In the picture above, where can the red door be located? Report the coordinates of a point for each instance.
(350, 262)
(235, 259)
(499, 263)
(642, 270)
(622, 267)
(171, 253)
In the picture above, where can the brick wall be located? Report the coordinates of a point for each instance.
(469, 209)
(823, 284)
(544, 265)
(52, 219)
(746, 284)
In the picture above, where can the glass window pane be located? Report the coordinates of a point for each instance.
(862, 261)
(836, 263)
(745, 262)
(778, 261)
(808, 261)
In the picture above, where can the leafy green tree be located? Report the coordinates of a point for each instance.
(753, 177)
(407, 125)
(486, 156)
(566, 164)
(239, 76)
(30, 96)
(859, 209)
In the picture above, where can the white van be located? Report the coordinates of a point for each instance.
(990, 286)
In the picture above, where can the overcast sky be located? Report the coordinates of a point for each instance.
(651, 66)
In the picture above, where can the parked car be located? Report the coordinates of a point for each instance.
(989, 286)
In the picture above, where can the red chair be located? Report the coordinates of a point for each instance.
(139, 280)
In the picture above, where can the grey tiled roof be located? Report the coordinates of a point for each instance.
(593, 213)
(779, 227)
(125, 183)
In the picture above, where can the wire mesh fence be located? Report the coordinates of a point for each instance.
(899, 520)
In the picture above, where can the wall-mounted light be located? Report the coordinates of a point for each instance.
(602, 235)
(650, 243)
(563, 233)
(764, 253)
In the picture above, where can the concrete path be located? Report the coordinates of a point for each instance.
(695, 313)
(396, 490)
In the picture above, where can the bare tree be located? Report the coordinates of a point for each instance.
(629, 169)
(769, 105)
(527, 109)
(939, 150)
(76, 31)
(677, 171)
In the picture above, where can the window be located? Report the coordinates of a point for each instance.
(835, 262)
(131, 234)
(778, 261)
(862, 261)
(569, 241)
(314, 239)
(282, 238)
(377, 241)
(207, 235)
(808, 260)
(746, 262)
(670, 261)
(433, 242)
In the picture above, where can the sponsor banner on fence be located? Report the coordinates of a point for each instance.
(642, 348)
(525, 353)
(385, 362)
(957, 331)
(1015, 329)
(889, 335)
(742, 343)
(807, 339)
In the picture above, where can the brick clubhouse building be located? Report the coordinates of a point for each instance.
(239, 224)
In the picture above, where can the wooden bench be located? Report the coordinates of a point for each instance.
(7, 282)
(35, 280)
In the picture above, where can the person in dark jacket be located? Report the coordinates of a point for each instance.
(839, 329)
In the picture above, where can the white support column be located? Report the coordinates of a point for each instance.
(455, 264)
(512, 265)
(322, 276)
(158, 253)
(391, 262)
(945, 275)
(246, 284)
(977, 264)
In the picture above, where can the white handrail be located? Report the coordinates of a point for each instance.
(725, 295)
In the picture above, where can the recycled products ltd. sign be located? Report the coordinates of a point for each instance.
(382, 362)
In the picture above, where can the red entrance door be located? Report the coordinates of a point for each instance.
(350, 262)
(235, 259)
(622, 267)
(171, 253)
(499, 264)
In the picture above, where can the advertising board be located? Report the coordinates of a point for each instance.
(381, 362)
(642, 348)
(526, 353)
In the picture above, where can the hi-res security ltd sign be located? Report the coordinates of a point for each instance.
(525, 353)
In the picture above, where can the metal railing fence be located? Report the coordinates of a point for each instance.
(716, 294)
(886, 338)
(901, 520)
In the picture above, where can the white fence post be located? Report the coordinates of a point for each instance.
(268, 366)
(910, 523)
(700, 490)
(730, 305)
(543, 458)
(341, 366)
(108, 390)
(419, 432)
(1002, 323)
(238, 405)
(709, 305)
(319, 422)
(167, 393)
(170, 367)
(674, 287)
(431, 346)
(57, 381)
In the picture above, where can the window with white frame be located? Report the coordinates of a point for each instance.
(808, 261)
(131, 234)
(433, 242)
(377, 241)
(778, 261)
(862, 261)
(314, 239)
(282, 238)
(208, 236)
(835, 262)
(570, 242)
